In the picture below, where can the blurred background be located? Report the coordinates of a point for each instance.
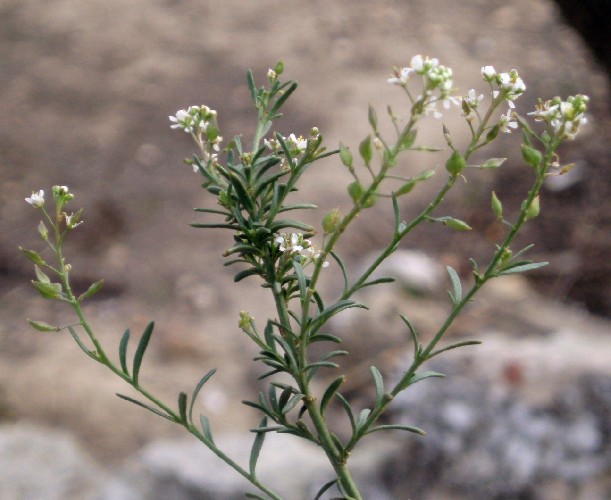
(85, 93)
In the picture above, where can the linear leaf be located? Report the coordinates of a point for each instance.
(324, 488)
(456, 285)
(198, 388)
(142, 345)
(330, 392)
(348, 409)
(524, 268)
(378, 281)
(292, 403)
(90, 353)
(123, 351)
(342, 266)
(301, 280)
(206, 427)
(408, 428)
(256, 448)
(379, 382)
(147, 407)
(182, 407)
(453, 346)
(362, 418)
(414, 335)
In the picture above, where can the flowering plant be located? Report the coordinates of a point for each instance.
(252, 187)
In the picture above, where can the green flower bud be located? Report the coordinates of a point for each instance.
(456, 163)
(331, 221)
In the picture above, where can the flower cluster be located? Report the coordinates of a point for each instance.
(295, 243)
(470, 103)
(201, 123)
(296, 145)
(510, 85)
(435, 77)
(564, 117)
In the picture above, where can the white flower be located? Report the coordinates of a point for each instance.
(37, 199)
(401, 76)
(471, 99)
(488, 73)
(300, 143)
(182, 120)
(506, 123)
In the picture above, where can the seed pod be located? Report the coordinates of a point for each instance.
(456, 163)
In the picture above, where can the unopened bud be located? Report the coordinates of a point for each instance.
(497, 206)
(533, 210)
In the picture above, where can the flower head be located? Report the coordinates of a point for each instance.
(296, 244)
(564, 118)
(37, 199)
(488, 73)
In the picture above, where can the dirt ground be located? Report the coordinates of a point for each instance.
(85, 92)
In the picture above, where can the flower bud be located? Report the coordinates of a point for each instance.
(457, 224)
(279, 68)
(331, 221)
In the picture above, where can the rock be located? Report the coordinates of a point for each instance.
(38, 463)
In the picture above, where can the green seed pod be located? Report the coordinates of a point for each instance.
(279, 68)
(457, 224)
(533, 210)
(331, 221)
(456, 163)
(356, 191)
(531, 155)
(497, 206)
(345, 155)
(366, 150)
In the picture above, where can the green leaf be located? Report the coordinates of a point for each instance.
(456, 285)
(324, 488)
(206, 428)
(139, 355)
(493, 163)
(424, 375)
(379, 382)
(256, 448)
(321, 337)
(41, 326)
(330, 392)
(407, 140)
(414, 335)
(523, 268)
(348, 409)
(251, 86)
(245, 274)
(149, 408)
(33, 256)
(378, 281)
(334, 309)
(366, 150)
(77, 339)
(362, 420)
(408, 428)
(254, 495)
(342, 267)
(291, 403)
(92, 290)
(282, 99)
(182, 407)
(198, 388)
(302, 282)
(123, 351)
(453, 346)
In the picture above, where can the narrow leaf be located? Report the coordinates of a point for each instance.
(77, 339)
(414, 335)
(457, 294)
(206, 427)
(453, 346)
(42, 277)
(362, 418)
(292, 403)
(182, 407)
(198, 388)
(342, 267)
(139, 355)
(524, 268)
(149, 408)
(379, 382)
(408, 428)
(123, 351)
(424, 375)
(330, 392)
(256, 448)
(324, 488)
(301, 280)
(348, 409)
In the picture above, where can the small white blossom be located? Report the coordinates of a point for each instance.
(299, 142)
(564, 117)
(488, 73)
(37, 199)
(295, 243)
(401, 76)
(507, 122)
